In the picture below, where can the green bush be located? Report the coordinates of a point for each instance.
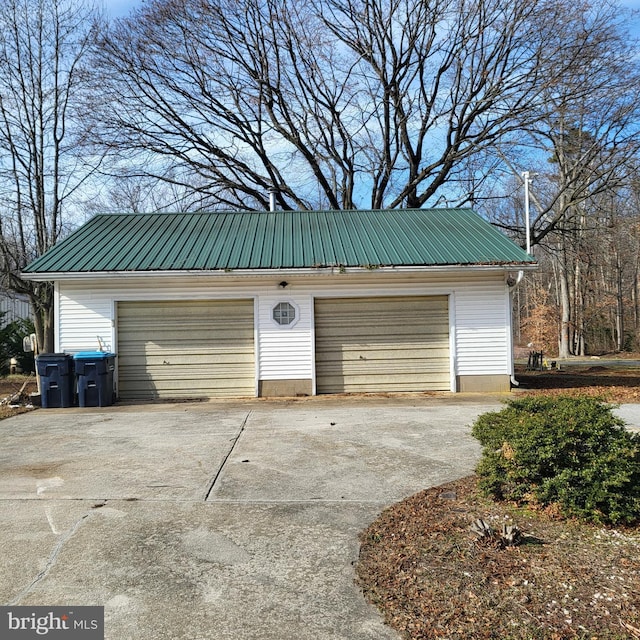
(11, 336)
(570, 453)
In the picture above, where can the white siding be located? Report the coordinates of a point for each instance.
(478, 309)
(285, 352)
(482, 330)
(84, 319)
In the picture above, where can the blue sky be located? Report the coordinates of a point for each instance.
(119, 8)
(634, 25)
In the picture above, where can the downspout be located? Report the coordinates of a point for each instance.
(517, 281)
(512, 287)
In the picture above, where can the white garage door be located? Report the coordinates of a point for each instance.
(186, 349)
(382, 344)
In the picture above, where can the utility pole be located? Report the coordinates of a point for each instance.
(527, 181)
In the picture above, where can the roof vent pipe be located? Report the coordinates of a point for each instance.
(272, 198)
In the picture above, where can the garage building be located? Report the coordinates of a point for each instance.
(285, 303)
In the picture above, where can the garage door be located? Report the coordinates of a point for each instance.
(186, 349)
(382, 344)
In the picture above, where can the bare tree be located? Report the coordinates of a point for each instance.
(583, 146)
(42, 43)
(335, 103)
(134, 193)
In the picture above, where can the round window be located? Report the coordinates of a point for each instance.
(284, 313)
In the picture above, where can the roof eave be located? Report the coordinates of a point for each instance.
(306, 271)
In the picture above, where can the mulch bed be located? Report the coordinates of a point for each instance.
(612, 384)
(431, 577)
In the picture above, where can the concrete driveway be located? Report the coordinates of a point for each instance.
(218, 520)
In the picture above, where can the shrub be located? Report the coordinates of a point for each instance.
(570, 453)
(11, 336)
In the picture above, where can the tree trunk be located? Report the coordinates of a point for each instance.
(636, 303)
(619, 306)
(564, 346)
(578, 310)
(43, 317)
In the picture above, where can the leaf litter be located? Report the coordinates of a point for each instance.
(431, 577)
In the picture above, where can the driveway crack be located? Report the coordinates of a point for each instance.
(234, 442)
(53, 557)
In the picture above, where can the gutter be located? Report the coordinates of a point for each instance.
(43, 276)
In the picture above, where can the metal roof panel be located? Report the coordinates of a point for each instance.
(279, 240)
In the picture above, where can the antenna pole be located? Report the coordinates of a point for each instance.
(527, 182)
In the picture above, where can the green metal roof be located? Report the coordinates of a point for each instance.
(279, 240)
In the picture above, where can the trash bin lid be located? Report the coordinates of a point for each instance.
(93, 355)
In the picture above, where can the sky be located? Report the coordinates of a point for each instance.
(634, 25)
(120, 8)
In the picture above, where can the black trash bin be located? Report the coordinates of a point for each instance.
(57, 382)
(94, 374)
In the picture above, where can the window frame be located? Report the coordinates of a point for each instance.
(277, 309)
